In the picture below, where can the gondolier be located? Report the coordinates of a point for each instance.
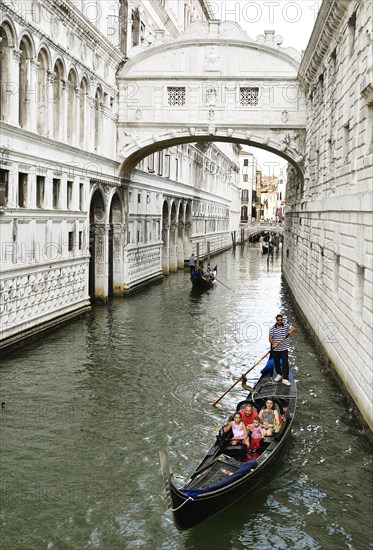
(192, 264)
(280, 345)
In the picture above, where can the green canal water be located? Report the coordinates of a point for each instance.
(88, 408)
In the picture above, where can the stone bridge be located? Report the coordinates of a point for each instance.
(213, 83)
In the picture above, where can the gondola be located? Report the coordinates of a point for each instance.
(199, 280)
(228, 472)
(267, 247)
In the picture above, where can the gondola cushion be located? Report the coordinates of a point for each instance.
(269, 365)
(242, 470)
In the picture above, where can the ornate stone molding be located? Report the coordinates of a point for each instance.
(328, 21)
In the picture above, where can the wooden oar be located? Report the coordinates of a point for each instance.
(239, 380)
(219, 281)
(247, 372)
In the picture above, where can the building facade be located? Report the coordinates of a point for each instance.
(70, 230)
(268, 197)
(247, 183)
(328, 231)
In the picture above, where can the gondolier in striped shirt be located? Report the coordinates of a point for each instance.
(279, 349)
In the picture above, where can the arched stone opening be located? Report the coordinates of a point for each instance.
(6, 76)
(98, 247)
(288, 148)
(71, 106)
(58, 103)
(173, 238)
(42, 94)
(180, 237)
(25, 83)
(83, 113)
(116, 247)
(165, 239)
(98, 119)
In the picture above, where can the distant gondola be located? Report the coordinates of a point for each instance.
(201, 280)
(267, 247)
(226, 474)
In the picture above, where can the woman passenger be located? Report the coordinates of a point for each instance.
(269, 417)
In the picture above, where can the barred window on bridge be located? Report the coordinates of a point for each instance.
(176, 96)
(249, 97)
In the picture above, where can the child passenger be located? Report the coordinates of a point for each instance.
(257, 433)
(239, 430)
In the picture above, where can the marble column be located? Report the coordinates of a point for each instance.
(166, 249)
(173, 248)
(180, 246)
(31, 94)
(12, 87)
(101, 261)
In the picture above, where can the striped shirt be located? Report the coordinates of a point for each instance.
(278, 333)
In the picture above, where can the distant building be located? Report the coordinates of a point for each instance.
(281, 194)
(247, 185)
(268, 197)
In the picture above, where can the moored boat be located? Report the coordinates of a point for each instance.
(228, 472)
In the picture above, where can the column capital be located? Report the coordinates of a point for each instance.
(51, 75)
(17, 54)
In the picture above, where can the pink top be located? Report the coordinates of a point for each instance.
(256, 433)
(237, 430)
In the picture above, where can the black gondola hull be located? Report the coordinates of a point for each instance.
(190, 509)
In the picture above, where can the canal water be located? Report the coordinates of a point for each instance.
(88, 408)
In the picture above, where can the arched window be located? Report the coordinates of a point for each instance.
(83, 113)
(24, 83)
(71, 101)
(98, 118)
(41, 94)
(4, 72)
(57, 103)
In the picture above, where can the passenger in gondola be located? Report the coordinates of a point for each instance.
(269, 418)
(256, 432)
(208, 273)
(239, 430)
(248, 413)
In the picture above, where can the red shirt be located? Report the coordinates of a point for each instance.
(248, 419)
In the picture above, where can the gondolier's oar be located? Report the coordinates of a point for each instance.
(215, 277)
(247, 372)
(239, 380)
(221, 282)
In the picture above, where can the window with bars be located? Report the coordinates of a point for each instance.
(249, 97)
(176, 96)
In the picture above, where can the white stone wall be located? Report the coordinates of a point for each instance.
(58, 100)
(328, 251)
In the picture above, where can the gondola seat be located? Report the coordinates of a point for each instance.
(234, 451)
(237, 451)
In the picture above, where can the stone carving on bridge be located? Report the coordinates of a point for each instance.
(212, 58)
(212, 94)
